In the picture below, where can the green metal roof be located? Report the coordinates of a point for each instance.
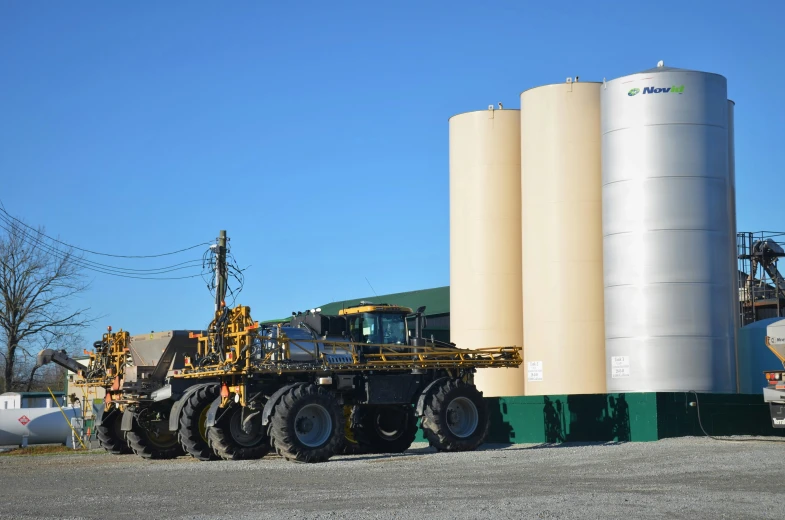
(273, 322)
(436, 301)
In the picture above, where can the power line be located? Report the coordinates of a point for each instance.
(35, 239)
(37, 242)
(139, 274)
(2, 209)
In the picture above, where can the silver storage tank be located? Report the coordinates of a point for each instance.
(666, 233)
(733, 257)
(39, 425)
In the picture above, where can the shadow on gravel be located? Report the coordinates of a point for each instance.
(545, 445)
(410, 453)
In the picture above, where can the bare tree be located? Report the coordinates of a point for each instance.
(38, 284)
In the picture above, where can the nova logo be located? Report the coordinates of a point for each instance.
(673, 90)
(633, 91)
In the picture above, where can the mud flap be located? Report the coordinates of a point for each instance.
(101, 415)
(213, 412)
(128, 420)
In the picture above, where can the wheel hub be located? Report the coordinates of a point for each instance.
(462, 417)
(313, 425)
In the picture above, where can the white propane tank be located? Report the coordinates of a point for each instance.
(40, 425)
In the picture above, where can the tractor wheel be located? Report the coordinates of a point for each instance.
(307, 424)
(150, 444)
(109, 434)
(456, 417)
(229, 441)
(192, 432)
(385, 429)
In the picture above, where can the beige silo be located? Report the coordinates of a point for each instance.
(561, 218)
(485, 239)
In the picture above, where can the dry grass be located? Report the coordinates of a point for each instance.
(55, 449)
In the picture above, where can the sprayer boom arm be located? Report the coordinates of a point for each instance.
(59, 357)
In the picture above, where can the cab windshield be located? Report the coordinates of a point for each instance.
(381, 328)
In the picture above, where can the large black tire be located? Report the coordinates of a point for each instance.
(192, 432)
(228, 440)
(456, 417)
(307, 424)
(109, 434)
(153, 445)
(384, 429)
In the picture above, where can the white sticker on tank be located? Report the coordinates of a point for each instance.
(535, 370)
(620, 366)
(620, 361)
(620, 372)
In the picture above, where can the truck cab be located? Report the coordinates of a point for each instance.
(378, 324)
(367, 322)
(774, 393)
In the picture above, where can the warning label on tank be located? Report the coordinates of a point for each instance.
(534, 370)
(620, 366)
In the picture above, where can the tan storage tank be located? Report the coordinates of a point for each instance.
(561, 183)
(485, 239)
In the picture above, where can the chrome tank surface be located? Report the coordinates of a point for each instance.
(666, 236)
(303, 344)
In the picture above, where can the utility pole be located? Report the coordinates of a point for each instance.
(220, 270)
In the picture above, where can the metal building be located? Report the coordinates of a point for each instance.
(485, 239)
(561, 219)
(666, 230)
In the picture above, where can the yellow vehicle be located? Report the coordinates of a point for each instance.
(287, 386)
(132, 370)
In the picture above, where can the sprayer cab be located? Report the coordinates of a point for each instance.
(367, 322)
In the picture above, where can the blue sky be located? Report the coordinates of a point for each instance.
(316, 132)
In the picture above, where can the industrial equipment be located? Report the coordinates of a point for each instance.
(237, 390)
(105, 369)
(287, 386)
(131, 370)
(761, 283)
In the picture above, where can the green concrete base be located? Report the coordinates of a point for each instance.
(636, 417)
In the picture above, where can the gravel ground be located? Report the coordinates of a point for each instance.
(677, 478)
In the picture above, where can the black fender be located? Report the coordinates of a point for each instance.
(177, 407)
(128, 420)
(420, 410)
(268, 406)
